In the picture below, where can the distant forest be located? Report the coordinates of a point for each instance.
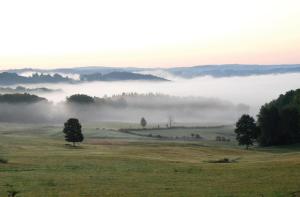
(117, 76)
(7, 78)
(13, 78)
(20, 98)
(21, 89)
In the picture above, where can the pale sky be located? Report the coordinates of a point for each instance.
(148, 33)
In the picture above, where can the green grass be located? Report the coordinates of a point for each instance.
(110, 163)
(208, 133)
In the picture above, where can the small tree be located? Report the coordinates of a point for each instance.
(143, 122)
(170, 121)
(246, 130)
(72, 131)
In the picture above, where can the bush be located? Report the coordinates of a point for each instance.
(224, 160)
(198, 136)
(2, 160)
(222, 139)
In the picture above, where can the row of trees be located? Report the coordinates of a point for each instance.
(169, 124)
(73, 133)
(278, 123)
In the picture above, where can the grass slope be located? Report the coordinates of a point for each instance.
(39, 164)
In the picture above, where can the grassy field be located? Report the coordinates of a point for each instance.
(112, 163)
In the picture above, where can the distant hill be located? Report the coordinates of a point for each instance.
(223, 70)
(21, 89)
(20, 98)
(232, 70)
(7, 78)
(119, 76)
(78, 70)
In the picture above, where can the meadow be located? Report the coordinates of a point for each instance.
(37, 162)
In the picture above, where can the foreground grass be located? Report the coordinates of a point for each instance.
(41, 165)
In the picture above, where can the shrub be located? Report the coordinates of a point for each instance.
(198, 136)
(2, 160)
(222, 139)
(224, 160)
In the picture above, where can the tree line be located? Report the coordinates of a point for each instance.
(278, 123)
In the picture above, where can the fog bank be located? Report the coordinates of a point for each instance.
(253, 90)
(128, 108)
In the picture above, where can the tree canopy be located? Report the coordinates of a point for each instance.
(246, 130)
(143, 122)
(80, 99)
(72, 131)
(7, 78)
(279, 120)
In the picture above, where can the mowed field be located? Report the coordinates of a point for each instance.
(113, 163)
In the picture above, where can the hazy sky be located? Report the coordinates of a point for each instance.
(160, 33)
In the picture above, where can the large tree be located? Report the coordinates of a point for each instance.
(246, 130)
(72, 131)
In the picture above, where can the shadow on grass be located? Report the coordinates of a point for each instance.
(280, 149)
(295, 194)
(11, 192)
(69, 146)
(3, 160)
(224, 160)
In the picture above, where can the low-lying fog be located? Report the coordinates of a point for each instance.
(207, 99)
(253, 90)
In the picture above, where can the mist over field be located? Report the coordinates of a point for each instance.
(157, 109)
(205, 100)
(149, 98)
(251, 90)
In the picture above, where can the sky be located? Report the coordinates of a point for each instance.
(148, 33)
